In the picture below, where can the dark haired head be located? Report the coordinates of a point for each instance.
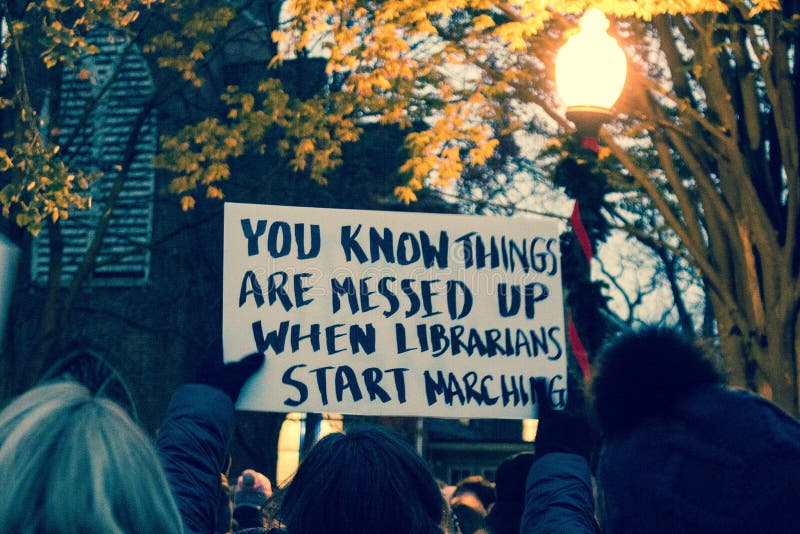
(470, 520)
(478, 486)
(509, 485)
(642, 373)
(362, 482)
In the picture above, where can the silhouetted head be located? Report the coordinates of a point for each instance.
(363, 482)
(470, 519)
(509, 485)
(477, 486)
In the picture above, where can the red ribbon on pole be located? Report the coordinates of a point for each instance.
(580, 231)
(581, 355)
(591, 142)
(578, 349)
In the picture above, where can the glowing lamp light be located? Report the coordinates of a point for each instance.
(590, 67)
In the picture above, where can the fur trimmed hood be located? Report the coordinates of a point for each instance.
(643, 373)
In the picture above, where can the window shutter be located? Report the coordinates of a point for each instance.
(94, 137)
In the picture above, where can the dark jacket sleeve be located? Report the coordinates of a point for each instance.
(193, 445)
(559, 497)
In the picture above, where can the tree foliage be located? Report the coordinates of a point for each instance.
(704, 141)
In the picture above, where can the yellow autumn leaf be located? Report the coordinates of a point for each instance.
(247, 103)
(214, 192)
(552, 144)
(304, 147)
(129, 17)
(481, 22)
(405, 194)
(767, 5)
(380, 82)
(187, 202)
(5, 161)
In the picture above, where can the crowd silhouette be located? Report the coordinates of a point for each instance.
(659, 445)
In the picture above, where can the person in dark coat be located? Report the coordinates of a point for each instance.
(682, 453)
(193, 439)
(509, 484)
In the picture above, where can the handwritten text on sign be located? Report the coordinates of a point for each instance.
(368, 312)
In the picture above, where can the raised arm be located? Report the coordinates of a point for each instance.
(193, 440)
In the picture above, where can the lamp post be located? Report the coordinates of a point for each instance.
(590, 75)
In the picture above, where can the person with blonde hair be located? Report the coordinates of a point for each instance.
(74, 462)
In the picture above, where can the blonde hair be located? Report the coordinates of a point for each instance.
(72, 462)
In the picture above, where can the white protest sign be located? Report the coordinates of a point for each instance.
(384, 313)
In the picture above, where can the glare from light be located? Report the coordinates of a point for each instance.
(591, 66)
(529, 428)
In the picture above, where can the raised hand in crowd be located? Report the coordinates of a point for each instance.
(559, 496)
(194, 436)
(250, 496)
(227, 377)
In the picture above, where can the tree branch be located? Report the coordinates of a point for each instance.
(92, 251)
(696, 250)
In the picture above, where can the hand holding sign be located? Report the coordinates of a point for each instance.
(228, 377)
(568, 430)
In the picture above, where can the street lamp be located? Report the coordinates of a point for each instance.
(590, 73)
